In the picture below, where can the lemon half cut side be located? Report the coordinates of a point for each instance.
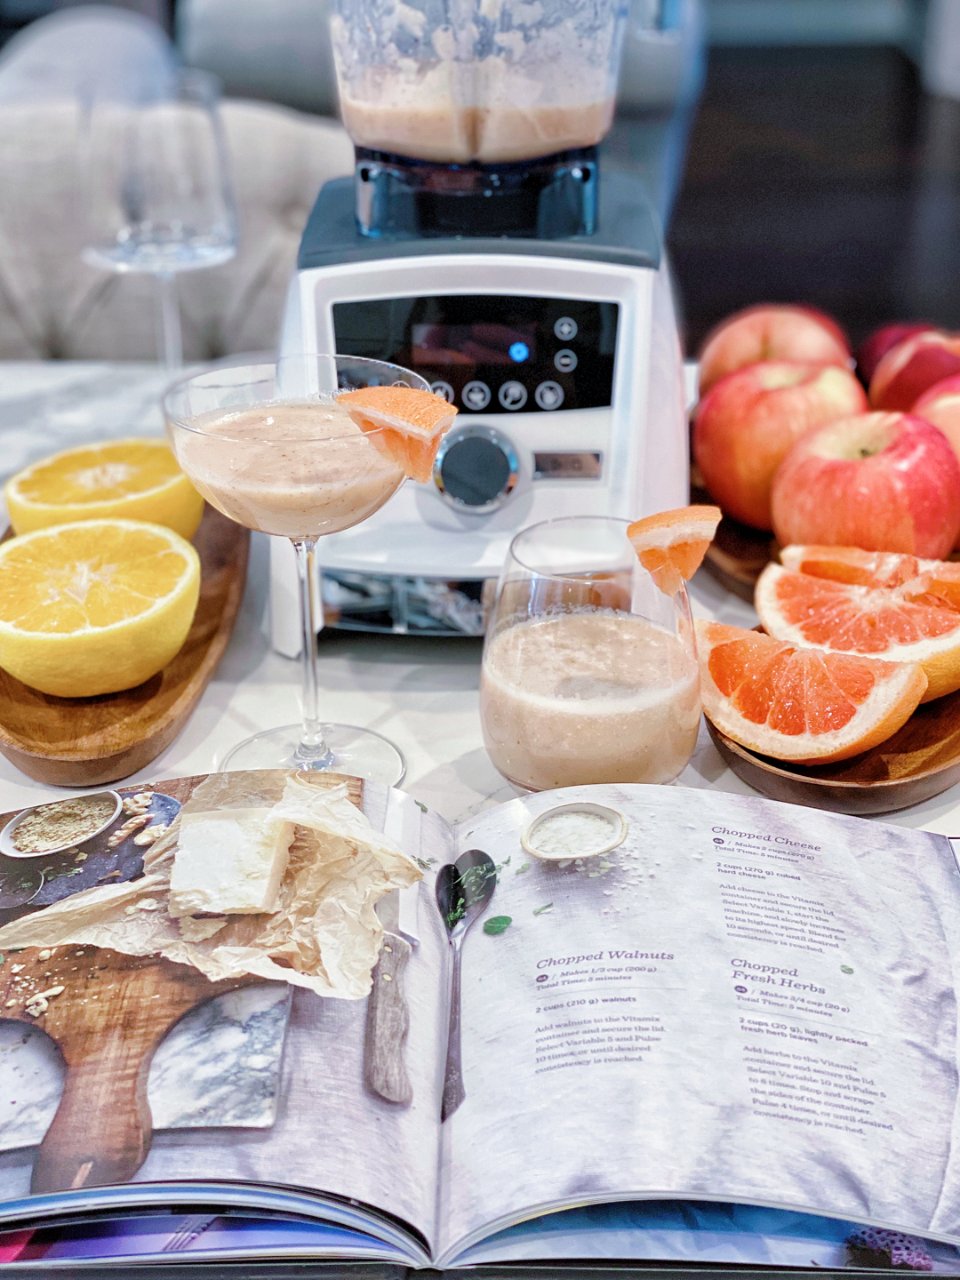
(135, 479)
(96, 606)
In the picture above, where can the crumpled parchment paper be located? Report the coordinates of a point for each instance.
(325, 934)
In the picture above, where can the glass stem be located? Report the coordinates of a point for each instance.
(169, 331)
(313, 750)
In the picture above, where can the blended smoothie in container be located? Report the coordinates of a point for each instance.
(588, 696)
(477, 81)
(296, 468)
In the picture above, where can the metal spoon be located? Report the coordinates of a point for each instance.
(464, 888)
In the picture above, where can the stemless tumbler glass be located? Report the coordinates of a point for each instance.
(589, 670)
(269, 446)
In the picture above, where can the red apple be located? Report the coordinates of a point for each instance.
(773, 331)
(876, 345)
(941, 406)
(744, 426)
(880, 481)
(912, 366)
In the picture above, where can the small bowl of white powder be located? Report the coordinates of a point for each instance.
(579, 830)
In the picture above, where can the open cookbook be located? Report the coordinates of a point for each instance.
(602, 1024)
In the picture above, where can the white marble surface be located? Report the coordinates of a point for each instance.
(220, 1065)
(420, 692)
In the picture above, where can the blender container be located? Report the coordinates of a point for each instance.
(461, 98)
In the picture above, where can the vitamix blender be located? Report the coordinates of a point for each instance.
(479, 243)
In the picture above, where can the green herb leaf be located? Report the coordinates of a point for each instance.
(845, 968)
(497, 924)
(421, 806)
(547, 906)
(524, 866)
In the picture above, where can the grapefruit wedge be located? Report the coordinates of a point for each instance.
(801, 705)
(934, 581)
(671, 544)
(877, 622)
(405, 423)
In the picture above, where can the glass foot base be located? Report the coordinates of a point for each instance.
(361, 752)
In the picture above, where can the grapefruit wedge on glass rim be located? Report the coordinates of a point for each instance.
(671, 544)
(405, 423)
(934, 581)
(803, 705)
(877, 622)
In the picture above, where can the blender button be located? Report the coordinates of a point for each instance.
(565, 361)
(566, 328)
(441, 388)
(513, 395)
(476, 395)
(549, 395)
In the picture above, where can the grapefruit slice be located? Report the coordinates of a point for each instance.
(878, 622)
(405, 423)
(933, 581)
(797, 704)
(671, 544)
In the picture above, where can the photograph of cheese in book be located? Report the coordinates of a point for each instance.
(503, 1036)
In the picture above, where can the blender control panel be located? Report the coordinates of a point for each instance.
(490, 354)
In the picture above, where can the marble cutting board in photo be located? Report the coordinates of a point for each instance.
(219, 1065)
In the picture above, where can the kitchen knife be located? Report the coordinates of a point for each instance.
(388, 1019)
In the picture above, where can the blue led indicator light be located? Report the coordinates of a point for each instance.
(519, 351)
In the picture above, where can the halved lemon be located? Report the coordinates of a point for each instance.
(671, 544)
(406, 423)
(96, 606)
(117, 480)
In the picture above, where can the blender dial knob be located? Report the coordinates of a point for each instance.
(476, 468)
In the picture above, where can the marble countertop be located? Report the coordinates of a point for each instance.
(421, 692)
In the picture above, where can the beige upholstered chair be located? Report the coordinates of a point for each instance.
(52, 304)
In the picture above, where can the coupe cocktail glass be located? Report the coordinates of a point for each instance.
(269, 446)
(589, 670)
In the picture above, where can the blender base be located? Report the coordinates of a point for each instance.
(546, 198)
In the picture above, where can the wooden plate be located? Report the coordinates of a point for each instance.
(921, 760)
(83, 742)
(738, 554)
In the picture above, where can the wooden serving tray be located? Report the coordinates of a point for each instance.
(920, 761)
(83, 742)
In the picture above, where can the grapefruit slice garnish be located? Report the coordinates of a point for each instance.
(671, 544)
(802, 705)
(878, 622)
(405, 423)
(933, 581)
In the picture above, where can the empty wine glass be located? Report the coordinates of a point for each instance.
(160, 199)
(269, 446)
(589, 670)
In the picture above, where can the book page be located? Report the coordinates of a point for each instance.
(744, 1001)
(333, 1132)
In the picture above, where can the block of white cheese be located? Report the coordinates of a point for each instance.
(229, 862)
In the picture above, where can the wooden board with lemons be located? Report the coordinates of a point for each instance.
(111, 619)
